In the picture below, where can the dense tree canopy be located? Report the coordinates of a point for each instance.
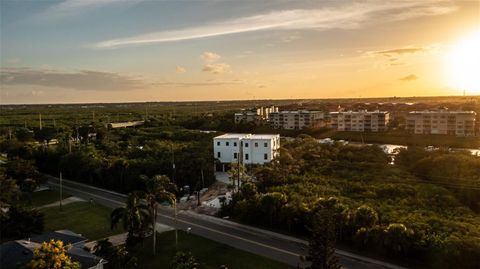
(394, 210)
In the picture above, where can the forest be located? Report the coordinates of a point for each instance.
(423, 210)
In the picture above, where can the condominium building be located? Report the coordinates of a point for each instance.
(256, 115)
(250, 148)
(442, 121)
(296, 120)
(359, 121)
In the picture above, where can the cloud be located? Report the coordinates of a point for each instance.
(410, 77)
(197, 84)
(210, 57)
(399, 51)
(13, 61)
(85, 80)
(216, 68)
(180, 70)
(343, 17)
(73, 8)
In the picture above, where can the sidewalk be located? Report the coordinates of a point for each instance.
(119, 239)
(65, 201)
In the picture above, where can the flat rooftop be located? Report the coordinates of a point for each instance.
(247, 136)
(231, 136)
(360, 112)
(442, 112)
(296, 111)
(263, 136)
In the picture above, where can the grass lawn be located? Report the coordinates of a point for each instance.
(90, 220)
(209, 254)
(40, 198)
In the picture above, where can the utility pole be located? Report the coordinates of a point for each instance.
(173, 163)
(203, 180)
(240, 163)
(61, 196)
(40, 120)
(176, 230)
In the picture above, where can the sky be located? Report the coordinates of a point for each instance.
(76, 51)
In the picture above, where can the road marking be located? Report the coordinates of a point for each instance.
(234, 236)
(90, 194)
(339, 252)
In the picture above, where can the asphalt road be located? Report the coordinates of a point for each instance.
(275, 246)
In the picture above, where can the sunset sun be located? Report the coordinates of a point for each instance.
(463, 64)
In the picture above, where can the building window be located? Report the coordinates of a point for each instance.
(246, 145)
(218, 154)
(234, 155)
(227, 144)
(256, 144)
(246, 156)
(265, 156)
(218, 143)
(266, 144)
(234, 144)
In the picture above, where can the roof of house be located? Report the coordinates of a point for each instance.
(17, 252)
(66, 236)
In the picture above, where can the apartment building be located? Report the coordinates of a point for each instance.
(250, 148)
(257, 115)
(297, 120)
(360, 121)
(442, 121)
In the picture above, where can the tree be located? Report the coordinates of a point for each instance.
(133, 218)
(396, 238)
(157, 189)
(184, 260)
(117, 256)
(365, 216)
(45, 134)
(321, 250)
(20, 222)
(271, 203)
(9, 191)
(52, 255)
(238, 173)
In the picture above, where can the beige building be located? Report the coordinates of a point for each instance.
(360, 121)
(296, 120)
(442, 121)
(256, 115)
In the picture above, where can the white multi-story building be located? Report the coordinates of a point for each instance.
(256, 115)
(360, 121)
(296, 120)
(250, 148)
(442, 121)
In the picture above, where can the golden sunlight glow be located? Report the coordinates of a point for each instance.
(463, 64)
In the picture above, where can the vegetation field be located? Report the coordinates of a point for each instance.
(208, 253)
(90, 220)
(402, 138)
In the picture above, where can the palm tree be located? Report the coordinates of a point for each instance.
(157, 189)
(133, 217)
